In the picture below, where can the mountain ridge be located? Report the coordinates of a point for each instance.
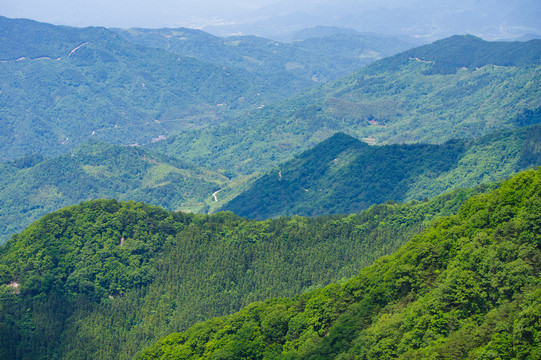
(106, 278)
(344, 175)
(452, 292)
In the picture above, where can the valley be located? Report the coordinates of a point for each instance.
(327, 193)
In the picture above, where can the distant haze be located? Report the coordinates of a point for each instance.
(129, 13)
(491, 19)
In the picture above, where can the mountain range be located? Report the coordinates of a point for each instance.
(168, 193)
(61, 86)
(321, 56)
(222, 164)
(404, 98)
(429, 21)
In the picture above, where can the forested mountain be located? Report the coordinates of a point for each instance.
(31, 187)
(339, 175)
(345, 175)
(107, 278)
(317, 58)
(104, 279)
(60, 86)
(108, 88)
(449, 55)
(401, 99)
(466, 287)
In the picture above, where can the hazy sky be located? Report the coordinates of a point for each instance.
(431, 19)
(128, 13)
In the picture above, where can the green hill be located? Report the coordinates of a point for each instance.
(340, 175)
(345, 175)
(31, 187)
(104, 279)
(318, 58)
(449, 55)
(401, 99)
(61, 86)
(466, 288)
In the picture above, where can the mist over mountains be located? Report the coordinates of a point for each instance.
(426, 20)
(276, 19)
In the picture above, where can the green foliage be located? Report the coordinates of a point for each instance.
(344, 175)
(399, 99)
(466, 287)
(318, 58)
(32, 187)
(62, 85)
(340, 175)
(105, 279)
(449, 55)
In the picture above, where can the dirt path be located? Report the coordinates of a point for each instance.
(77, 48)
(214, 195)
(45, 57)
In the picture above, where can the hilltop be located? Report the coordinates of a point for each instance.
(345, 175)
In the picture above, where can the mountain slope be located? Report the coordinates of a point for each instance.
(104, 279)
(60, 86)
(97, 170)
(449, 55)
(345, 175)
(395, 100)
(467, 287)
(318, 58)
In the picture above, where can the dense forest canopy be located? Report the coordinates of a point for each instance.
(466, 287)
(107, 278)
(116, 145)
